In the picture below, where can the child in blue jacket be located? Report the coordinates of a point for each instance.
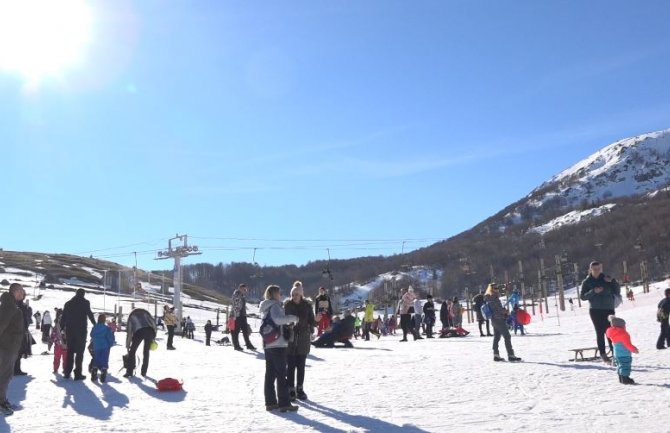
(102, 339)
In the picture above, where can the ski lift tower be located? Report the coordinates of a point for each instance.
(177, 253)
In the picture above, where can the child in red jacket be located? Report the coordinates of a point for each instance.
(622, 348)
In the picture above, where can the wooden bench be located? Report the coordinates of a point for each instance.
(579, 354)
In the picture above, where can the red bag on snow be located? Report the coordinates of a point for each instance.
(169, 384)
(523, 317)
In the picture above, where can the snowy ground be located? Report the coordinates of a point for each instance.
(379, 386)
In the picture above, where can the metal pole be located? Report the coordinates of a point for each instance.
(177, 287)
(523, 284)
(579, 299)
(559, 281)
(543, 282)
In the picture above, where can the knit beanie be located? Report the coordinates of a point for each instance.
(616, 321)
(297, 289)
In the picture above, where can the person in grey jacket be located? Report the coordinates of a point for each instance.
(275, 353)
(141, 327)
(418, 309)
(601, 291)
(498, 320)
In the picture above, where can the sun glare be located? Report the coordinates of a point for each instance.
(40, 39)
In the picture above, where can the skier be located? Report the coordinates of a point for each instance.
(600, 290)
(103, 340)
(275, 353)
(478, 302)
(323, 306)
(498, 319)
(299, 345)
(429, 314)
(662, 316)
(622, 348)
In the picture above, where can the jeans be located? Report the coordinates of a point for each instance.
(170, 330)
(405, 324)
(600, 324)
(147, 335)
(275, 370)
(296, 362)
(664, 338)
(241, 325)
(500, 330)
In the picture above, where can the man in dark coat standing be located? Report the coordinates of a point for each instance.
(75, 313)
(12, 334)
(601, 291)
(26, 343)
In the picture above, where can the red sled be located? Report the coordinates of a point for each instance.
(169, 384)
(523, 317)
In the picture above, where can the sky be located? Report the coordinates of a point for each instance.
(283, 132)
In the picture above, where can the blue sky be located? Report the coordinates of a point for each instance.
(306, 125)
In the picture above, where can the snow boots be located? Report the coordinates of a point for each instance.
(94, 374)
(498, 358)
(6, 408)
(626, 380)
(103, 375)
(513, 358)
(292, 395)
(289, 408)
(300, 393)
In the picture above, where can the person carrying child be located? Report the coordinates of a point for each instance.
(102, 338)
(623, 347)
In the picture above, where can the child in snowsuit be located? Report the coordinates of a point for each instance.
(103, 339)
(57, 338)
(622, 348)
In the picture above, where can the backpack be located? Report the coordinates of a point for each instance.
(169, 384)
(269, 330)
(661, 315)
(487, 312)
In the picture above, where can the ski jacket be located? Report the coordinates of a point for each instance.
(369, 313)
(102, 337)
(621, 341)
(12, 331)
(138, 319)
(405, 303)
(444, 312)
(429, 309)
(418, 307)
(276, 312)
(322, 305)
(46, 318)
(302, 331)
(75, 313)
(499, 313)
(57, 337)
(603, 300)
(169, 318)
(239, 304)
(208, 328)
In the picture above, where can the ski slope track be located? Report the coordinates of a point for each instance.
(381, 385)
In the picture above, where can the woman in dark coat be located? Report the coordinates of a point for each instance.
(299, 345)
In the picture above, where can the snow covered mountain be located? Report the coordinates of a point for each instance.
(632, 166)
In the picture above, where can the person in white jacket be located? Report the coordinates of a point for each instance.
(275, 351)
(418, 310)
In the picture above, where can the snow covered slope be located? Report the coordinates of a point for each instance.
(381, 385)
(630, 166)
(573, 217)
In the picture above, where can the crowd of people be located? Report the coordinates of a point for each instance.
(291, 327)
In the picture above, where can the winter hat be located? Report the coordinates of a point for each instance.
(616, 321)
(297, 289)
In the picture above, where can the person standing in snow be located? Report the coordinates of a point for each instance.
(499, 322)
(12, 334)
(477, 304)
(404, 304)
(57, 338)
(190, 328)
(368, 318)
(46, 326)
(662, 316)
(324, 308)
(141, 327)
(239, 312)
(429, 316)
(457, 313)
(601, 291)
(418, 309)
(103, 340)
(622, 348)
(73, 322)
(26, 344)
(208, 332)
(275, 353)
(170, 320)
(300, 344)
(38, 320)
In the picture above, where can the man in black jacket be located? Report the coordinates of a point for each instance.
(601, 291)
(663, 314)
(75, 313)
(477, 303)
(26, 312)
(429, 316)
